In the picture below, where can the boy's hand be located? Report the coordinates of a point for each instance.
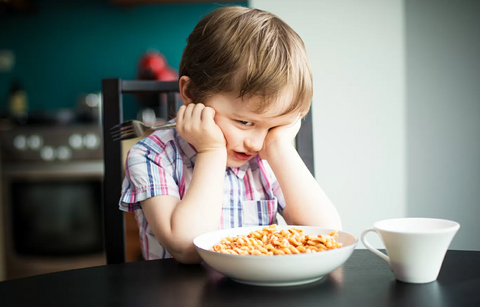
(279, 137)
(195, 123)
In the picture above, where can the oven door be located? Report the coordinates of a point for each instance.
(54, 210)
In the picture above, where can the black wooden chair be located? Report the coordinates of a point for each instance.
(112, 91)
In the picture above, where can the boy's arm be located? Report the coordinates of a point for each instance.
(175, 222)
(306, 203)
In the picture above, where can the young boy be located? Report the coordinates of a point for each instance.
(245, 82)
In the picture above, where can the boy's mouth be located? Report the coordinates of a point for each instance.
(242, 156)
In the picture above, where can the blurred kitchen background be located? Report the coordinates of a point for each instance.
(396, 113)
(53, 57)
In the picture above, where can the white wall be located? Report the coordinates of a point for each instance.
(357, 53)
(396, 107)
(443, 113)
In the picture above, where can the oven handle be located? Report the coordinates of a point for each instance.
(64, 170)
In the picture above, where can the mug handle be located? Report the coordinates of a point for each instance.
(371, 248)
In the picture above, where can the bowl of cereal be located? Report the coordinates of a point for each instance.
(275, 255)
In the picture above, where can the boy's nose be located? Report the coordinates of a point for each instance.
(254, 143)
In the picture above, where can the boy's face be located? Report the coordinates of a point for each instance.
(244, 129)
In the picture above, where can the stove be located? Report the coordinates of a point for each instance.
(50, 144)
(52, 177)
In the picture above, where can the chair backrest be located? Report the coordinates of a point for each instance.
(112, 91)
(113, 218)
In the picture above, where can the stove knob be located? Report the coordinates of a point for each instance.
(75, 141)
(64, 153)
(47, 153)
(35, 142)
(20, 142)
(91, 141)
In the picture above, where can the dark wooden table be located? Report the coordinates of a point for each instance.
(364, 280)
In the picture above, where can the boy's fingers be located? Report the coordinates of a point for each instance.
(208, 113)
(189, 111)
(297, 124)
(197, 111)
(297, 121)
(181, 114)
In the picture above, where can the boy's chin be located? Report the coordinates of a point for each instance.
(235, 162)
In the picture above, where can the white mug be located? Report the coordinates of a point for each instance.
(416, 247)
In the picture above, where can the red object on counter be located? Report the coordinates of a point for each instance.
(153, 66)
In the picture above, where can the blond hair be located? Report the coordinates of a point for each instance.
(250, 52)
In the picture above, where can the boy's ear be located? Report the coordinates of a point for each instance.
(183, 84)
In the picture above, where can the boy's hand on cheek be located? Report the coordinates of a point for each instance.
(196, 124)
(279, 137)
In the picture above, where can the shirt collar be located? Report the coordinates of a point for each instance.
(239, 171)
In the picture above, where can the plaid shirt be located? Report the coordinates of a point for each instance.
(162, 164)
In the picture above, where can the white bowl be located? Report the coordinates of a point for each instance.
(278, 270)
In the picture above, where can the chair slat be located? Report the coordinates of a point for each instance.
(139, 86)
(114, 220)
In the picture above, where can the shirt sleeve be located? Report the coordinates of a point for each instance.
(150, 171)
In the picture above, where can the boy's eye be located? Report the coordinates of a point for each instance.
(245, 123)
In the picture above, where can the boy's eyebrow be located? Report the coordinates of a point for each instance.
(260, 117)
(254, 118)
(243, 116)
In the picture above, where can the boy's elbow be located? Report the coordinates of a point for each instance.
(187, 257)
(184, 253)
(181, 249)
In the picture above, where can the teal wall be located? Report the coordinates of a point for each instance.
(66, 48)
